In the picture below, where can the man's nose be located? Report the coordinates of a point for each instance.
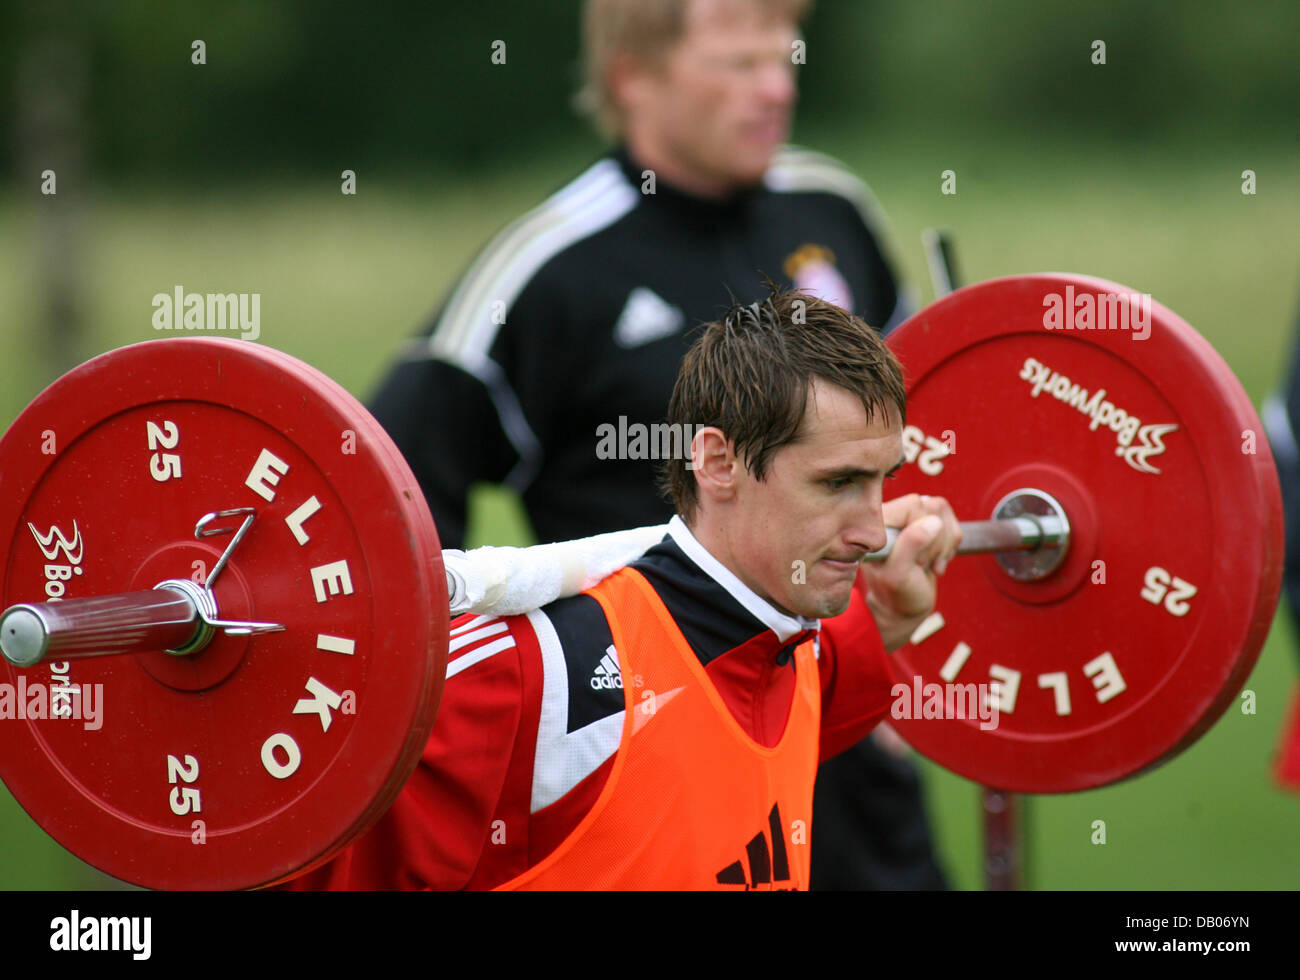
(777, 82)
(868, 532)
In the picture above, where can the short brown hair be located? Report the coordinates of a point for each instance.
(645, 29)
(750, 372)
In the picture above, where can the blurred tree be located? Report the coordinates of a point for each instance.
(413, 87)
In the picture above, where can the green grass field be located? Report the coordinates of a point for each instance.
(345, 279)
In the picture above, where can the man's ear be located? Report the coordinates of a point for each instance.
(631, 80)
(714, 464)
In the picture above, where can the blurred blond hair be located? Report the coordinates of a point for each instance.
(644, 29)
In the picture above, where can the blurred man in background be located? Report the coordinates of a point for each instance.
(572, 321)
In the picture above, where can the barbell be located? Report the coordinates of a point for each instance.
(239, 524)
(180, 617)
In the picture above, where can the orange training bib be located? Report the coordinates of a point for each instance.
(692, 801)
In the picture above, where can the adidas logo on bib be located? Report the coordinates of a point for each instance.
(607, 674)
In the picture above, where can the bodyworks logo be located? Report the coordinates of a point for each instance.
(1152, 445)
(53, 541)
(54, 545)
(1043, 380)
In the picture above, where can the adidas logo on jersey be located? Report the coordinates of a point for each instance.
(607, 675)
(646, 317)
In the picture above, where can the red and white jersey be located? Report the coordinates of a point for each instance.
(533, 710)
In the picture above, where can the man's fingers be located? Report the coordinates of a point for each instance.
(930, 541)
(920, 542)
(951, 536)
(937, 544)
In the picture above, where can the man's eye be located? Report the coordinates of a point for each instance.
(839, 482)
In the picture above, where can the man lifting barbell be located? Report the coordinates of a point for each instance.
(579, 314)
(245, 530)
(684, 703)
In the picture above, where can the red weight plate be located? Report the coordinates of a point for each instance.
(1129, 651)
(258, 757)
